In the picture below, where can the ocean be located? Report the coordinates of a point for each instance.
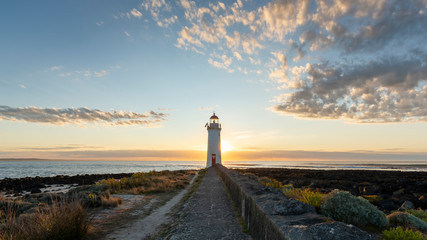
(50, 168)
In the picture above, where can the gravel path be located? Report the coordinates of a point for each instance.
(209, 215)
(147, 226)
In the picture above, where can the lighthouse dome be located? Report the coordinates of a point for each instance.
(214, 116)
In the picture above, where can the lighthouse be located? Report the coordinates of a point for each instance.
(214, 141)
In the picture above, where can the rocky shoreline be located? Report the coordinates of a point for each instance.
(17, 186)
(392, 188)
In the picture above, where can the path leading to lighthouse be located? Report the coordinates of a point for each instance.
(209, 214)
(145, 227)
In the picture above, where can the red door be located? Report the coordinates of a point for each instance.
(213, 159)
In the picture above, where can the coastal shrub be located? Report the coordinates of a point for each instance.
(342, 206)
(313, 198)
(151, 182)
(406, 219)
(270, 182)
(90, 195)
(17, 206)
(419, 213)
(61, 220)
(400, 234)
(110, 201)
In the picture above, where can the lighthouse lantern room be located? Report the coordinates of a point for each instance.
(214, 141)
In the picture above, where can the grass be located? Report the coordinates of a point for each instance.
(110, 201)
(61, 220)
(151, 182)
(311, 197)
(400, 234)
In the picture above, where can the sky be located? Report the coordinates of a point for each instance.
(288, 79)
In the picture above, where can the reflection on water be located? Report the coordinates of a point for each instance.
(45, 168)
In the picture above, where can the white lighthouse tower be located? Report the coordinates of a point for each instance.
(214, 141)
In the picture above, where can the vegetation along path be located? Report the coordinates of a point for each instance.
(146, 227)
(209, 215)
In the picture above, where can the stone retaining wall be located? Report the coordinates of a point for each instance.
(269, 214)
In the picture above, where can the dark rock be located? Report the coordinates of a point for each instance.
(337, 231)
(422, 201)
(35, 190)
(387, 204)
(287, 207)
(399, 192)
(371, 190)
(406, 205)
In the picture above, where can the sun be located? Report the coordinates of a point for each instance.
(226, 146)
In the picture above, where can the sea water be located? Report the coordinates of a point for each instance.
(50, 168)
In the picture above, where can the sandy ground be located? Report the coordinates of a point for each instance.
(147, 226)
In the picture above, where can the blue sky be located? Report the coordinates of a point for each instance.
(87, 77)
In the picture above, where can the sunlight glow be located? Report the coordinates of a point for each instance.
(226, 146)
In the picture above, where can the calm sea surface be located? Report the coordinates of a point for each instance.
(47, 168)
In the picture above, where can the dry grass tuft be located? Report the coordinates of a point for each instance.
(110, 201)
(61, 220)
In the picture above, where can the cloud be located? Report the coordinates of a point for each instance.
(187, 38)
(157, 9)
(206, 109)
(55, 68)
(282, 17)
(100, 23)
(80, 116)
(101, 73)
(320, 155)
(64, 152)
(136, 13)
(358, 60)
(22, 86)
(61, 147)
(237, 56)
(224, 62)
(86, 74)
(385, 90)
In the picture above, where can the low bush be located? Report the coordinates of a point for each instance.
(400, 234)
(270, 182)
(421, 214)
(406, 219)
(17, 206)
(89, 196)
(342, 206)
(313, 198)
(110, 201)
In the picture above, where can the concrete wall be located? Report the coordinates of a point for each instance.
(271, 215)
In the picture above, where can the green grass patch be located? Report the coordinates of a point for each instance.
(401, 234)
(313, 198)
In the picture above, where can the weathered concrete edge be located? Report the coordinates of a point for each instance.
(267, 213)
